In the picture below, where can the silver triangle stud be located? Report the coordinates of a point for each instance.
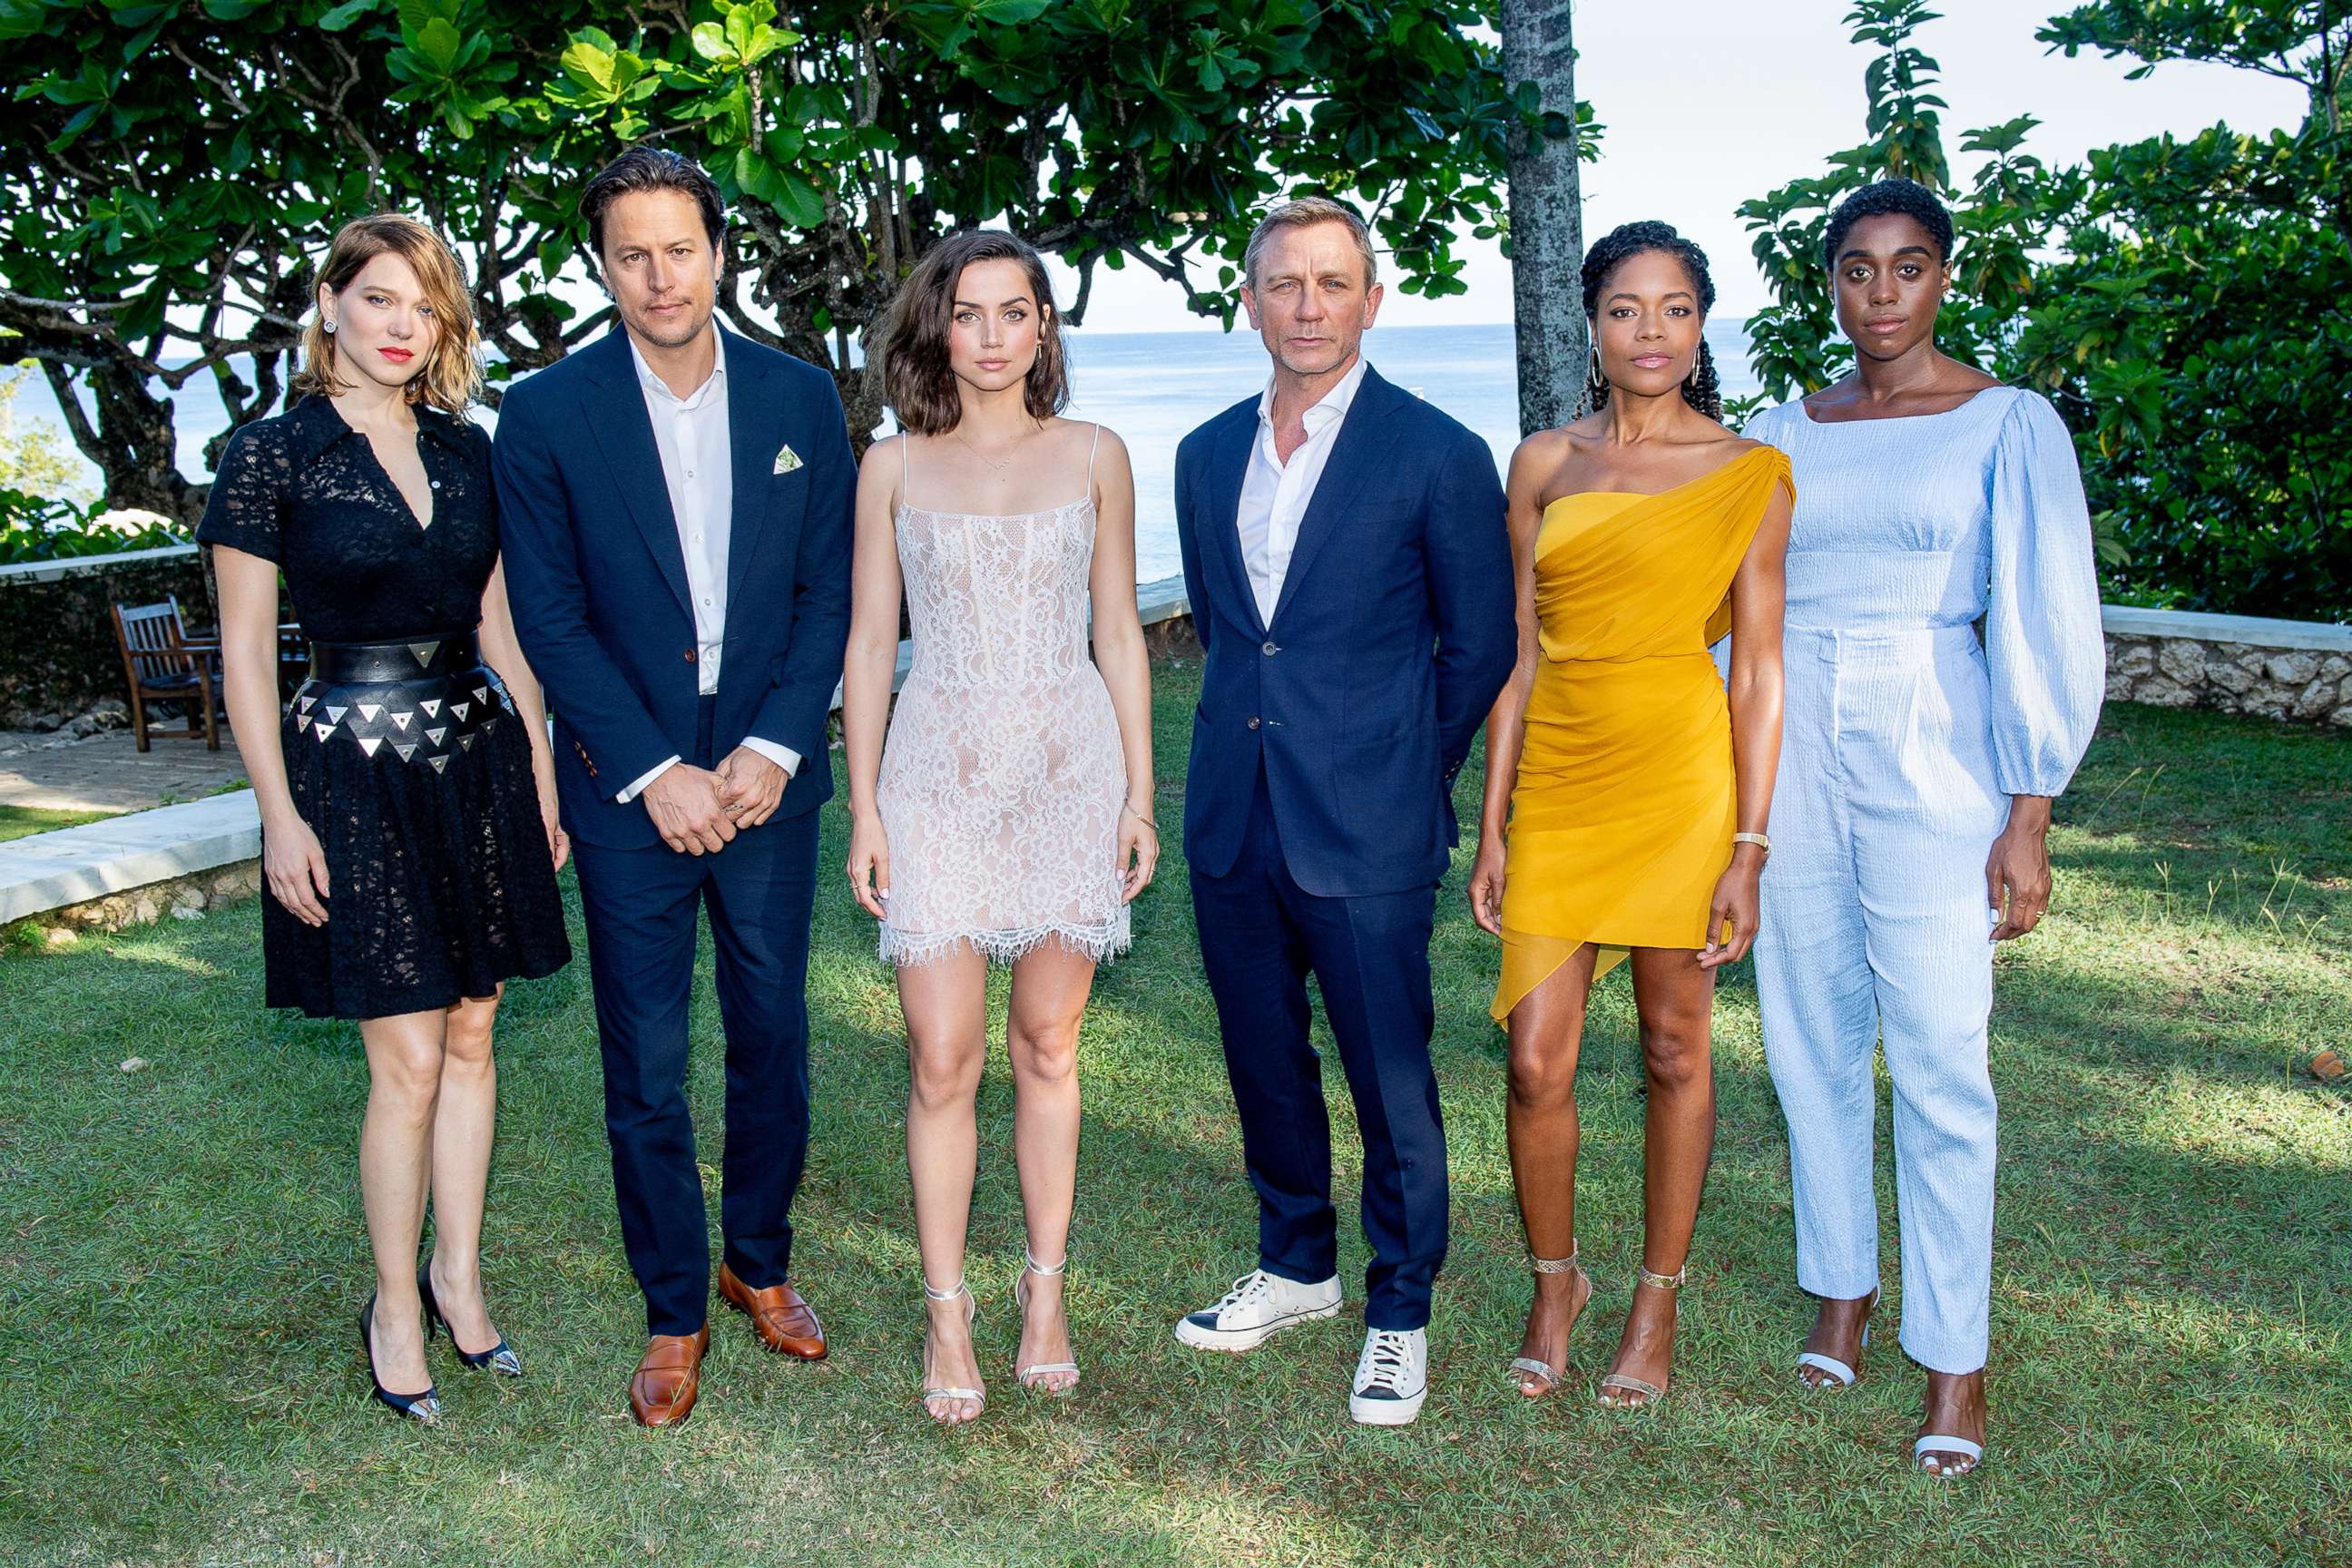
(324, 731)
(440, 765)
(425, 651)
(435, 736)
(431, 708)
(406, 751)
(481, 694)
(368, 711)
(335, 714)
(308, 703)
(369, 746)
(457, 710)
(400, 721)
(465, 742)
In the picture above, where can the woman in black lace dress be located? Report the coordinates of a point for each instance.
(407, 798)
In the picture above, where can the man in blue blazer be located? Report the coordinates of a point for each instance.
(1351, 581)
(675, 505)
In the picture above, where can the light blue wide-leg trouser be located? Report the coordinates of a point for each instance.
(1876, 932)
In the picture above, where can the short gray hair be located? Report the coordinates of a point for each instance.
(1304, 213)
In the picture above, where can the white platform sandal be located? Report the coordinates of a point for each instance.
(1027, 1375)
(1527, 1368)
(1840, 1374)
(1940, 1443)
(932, 1392)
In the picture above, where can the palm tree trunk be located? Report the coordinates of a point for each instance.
(1547, 219)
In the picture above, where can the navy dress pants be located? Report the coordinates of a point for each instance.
(640, 906)
(1261, 935)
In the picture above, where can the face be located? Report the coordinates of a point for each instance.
(1890, 280)
(384, 330)
(995, 325)
(1311, 304)
(1646, 325)
(659, 266)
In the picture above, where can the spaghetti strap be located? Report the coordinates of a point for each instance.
(1090, 460)
(906, 467)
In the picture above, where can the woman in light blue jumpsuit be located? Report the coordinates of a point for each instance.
(1917, 761)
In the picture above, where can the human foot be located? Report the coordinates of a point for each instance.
(1832, 1354)
(1044, 1362)
(952, 1392)
(1951, 1437)
(1562, 1289)
(1646, 1353)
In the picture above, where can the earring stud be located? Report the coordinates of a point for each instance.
(329, 325)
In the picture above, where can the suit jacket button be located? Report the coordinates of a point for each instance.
(1269, 649)
(689, 656)
(1252, 721)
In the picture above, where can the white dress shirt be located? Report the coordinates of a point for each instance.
(1275, 494)
(698, 469)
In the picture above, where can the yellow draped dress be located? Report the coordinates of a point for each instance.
(1622, 812)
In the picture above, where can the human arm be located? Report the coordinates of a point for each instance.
(1467, 551)
(792, 715)
(1758, 603)
(870, 660)
(503, 653)
(2045, 655)
(1121, 655)
(291, 860)
(1188, 543)
(1531, 463)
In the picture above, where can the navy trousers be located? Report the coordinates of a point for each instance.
(1261, 935)
(640, 908)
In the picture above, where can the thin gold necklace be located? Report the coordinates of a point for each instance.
(994, 465)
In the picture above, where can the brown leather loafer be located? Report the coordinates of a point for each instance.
(785, 1322)
(668, 1378)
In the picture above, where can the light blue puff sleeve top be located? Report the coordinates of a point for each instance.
(2043, 647)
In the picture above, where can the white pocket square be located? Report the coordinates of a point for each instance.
(786, 460)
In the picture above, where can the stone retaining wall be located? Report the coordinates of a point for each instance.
(2272, 669)
(57, 652)
(181, 898)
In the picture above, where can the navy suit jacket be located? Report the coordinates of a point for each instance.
(1393, 633)
(597, 578)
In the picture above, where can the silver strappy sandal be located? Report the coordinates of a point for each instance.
(1835, 1373)
(931, 1391)
(1027, 1375)
(1527, 1368)
(1617, 1381)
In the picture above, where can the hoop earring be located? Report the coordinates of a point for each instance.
(1596, 385)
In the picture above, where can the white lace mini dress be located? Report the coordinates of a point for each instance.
(1002, 778)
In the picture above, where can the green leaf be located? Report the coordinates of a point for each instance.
(343, 16)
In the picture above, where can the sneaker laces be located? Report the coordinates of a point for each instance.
(1387, 1361)
(1253, 1285)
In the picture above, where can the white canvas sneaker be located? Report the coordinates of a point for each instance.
(1259, 1306)
(1391, 1378)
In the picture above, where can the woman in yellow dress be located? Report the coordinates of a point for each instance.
(1626, 797)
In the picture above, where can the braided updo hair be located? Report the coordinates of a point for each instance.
(1701, 389)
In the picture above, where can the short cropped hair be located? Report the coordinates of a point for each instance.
(1884, 198)
(452, 377)
(1304, 213)
(918, 375)
(651, 169)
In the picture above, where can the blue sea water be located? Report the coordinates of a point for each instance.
(1152, 387)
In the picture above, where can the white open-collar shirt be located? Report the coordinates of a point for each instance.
(1275, 494)
(699, 471)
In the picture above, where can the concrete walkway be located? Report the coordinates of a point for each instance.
(109, 772)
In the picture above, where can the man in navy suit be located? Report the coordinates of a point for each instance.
(1351, 581)
(674, 502)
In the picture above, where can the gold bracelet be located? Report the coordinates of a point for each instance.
(1141, 818)
(1757, 839)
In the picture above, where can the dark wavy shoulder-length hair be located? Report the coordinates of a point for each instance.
(916, 378)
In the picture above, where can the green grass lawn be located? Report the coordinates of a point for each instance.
(181, 1261)
(23, 821)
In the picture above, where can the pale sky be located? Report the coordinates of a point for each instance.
(1709, 103)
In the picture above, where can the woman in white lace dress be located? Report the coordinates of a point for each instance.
(1008, 816)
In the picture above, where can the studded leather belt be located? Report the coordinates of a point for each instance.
(404, 660)
(425, 701)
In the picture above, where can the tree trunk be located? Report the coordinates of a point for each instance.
(1547, 219)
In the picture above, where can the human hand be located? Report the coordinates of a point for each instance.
(750, 785)
(687, 811)
(559, 843)
(2017, 872)
(1138, 852)
(295, 868)
(869, 865)
(1486, 890)
(1739, 903)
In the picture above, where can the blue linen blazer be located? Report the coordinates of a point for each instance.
(597, 579)
(1393, 635)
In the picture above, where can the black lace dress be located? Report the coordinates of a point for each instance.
(407, 758)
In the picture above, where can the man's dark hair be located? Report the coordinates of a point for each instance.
(651, 169)
(1897, 198)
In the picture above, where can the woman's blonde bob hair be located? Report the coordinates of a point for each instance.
(452, 377)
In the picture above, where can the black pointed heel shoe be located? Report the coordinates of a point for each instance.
(426, 1406)
(499, 1358)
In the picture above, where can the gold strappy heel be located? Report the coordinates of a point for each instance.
(930, 1392)
(1027, 1375)
(1618, 1382)
(1527, 1367)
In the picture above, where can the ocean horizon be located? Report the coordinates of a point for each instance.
(1151, 387)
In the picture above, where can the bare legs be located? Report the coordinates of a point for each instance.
(945, 1007)
(1674, 1000)
(432, 1092)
